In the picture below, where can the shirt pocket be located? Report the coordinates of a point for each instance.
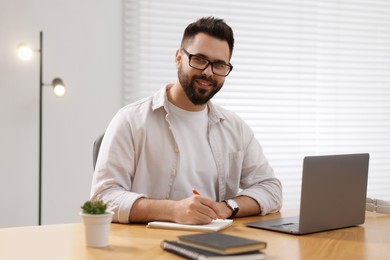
(234, 172)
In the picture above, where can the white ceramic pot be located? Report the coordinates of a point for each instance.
(97, 228)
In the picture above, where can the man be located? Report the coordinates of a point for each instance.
(156, 151)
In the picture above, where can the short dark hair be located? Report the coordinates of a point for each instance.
(212, 26)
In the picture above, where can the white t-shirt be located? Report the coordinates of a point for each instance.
(197, 167)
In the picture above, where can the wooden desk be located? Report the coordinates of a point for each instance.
(66, 241)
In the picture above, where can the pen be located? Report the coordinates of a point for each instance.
(197, 193)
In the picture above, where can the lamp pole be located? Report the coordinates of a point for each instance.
(40, 128)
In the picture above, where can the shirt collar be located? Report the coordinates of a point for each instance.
(160, 99)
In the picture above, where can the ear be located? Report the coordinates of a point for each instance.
(178, 58)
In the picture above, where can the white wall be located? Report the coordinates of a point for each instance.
(82, 45)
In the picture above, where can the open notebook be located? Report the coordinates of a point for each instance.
(215, 225)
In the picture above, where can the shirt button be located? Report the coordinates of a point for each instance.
(173, 173)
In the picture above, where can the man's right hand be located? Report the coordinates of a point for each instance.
(195, 210)
(192, 210)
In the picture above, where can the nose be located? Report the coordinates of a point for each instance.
(208, 71)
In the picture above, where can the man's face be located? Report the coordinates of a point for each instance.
(201, 85)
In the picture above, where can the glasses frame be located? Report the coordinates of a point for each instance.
(189, 55)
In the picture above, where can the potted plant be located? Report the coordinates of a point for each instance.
(97, 222)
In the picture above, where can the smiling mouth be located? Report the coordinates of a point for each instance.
(204, 84)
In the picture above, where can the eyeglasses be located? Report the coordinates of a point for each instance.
(200, 63)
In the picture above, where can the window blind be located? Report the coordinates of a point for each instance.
(310, 77)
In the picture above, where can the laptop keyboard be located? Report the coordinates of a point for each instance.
(288, 226)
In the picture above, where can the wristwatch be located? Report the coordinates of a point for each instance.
(231, 203)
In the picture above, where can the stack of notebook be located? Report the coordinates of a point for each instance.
(215, 245)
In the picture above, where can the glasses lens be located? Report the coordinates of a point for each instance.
(198, 62)
(221, 69)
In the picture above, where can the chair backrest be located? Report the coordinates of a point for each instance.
(96, 148)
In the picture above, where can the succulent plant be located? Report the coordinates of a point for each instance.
(94, 207)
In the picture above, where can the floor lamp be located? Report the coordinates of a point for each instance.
(26, 53)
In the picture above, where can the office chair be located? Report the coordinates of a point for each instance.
(96, 148)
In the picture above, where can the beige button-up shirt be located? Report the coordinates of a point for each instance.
(139, 157)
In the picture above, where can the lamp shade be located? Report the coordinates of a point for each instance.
(24, 52)
(58, 87)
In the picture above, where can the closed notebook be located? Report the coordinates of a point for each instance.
(190, 252)
(215, 225)
(222, 243)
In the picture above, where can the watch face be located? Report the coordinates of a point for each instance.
(233, 204)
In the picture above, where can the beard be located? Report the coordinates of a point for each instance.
(197, 95)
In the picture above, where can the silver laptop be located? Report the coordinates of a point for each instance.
(333, 195)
